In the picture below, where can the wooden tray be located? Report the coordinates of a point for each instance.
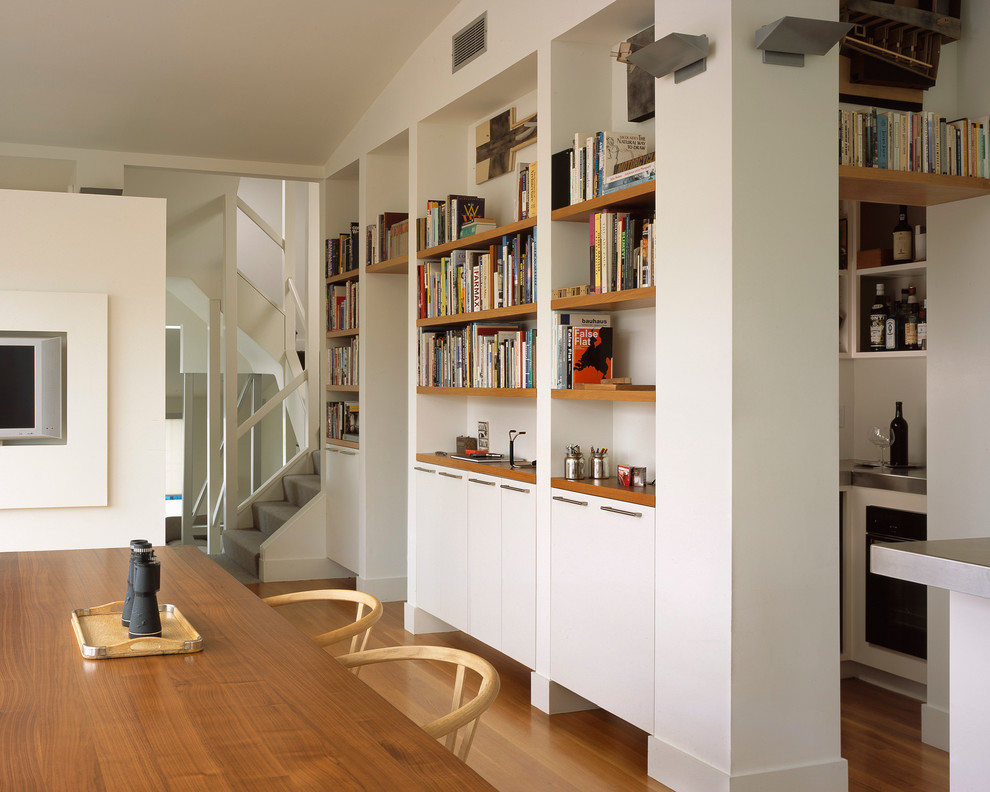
(101, 635)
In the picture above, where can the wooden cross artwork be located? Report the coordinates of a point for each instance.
(498, 140)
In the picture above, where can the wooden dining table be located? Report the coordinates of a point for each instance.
(259, 707)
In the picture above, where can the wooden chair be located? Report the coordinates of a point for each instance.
(362, 623)
(462, 715)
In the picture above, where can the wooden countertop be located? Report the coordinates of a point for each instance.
(261, 707)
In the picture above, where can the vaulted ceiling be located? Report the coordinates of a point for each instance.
(236, 79)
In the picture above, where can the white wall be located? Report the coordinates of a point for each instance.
(116, 246)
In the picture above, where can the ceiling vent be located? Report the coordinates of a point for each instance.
(469, 42)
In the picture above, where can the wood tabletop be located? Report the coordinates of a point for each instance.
(260, 707)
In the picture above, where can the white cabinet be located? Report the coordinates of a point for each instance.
(484, 559)
(519, 571)
(342, 478)
(441, 544)
(602, 603)
(476, 556)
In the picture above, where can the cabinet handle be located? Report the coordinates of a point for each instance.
(515, 489)
(451, 475)
(332, 451)
(568, 500)
(620, 511)
(348, 453)
(424, 470)
(479, 481)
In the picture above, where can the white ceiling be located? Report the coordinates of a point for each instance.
(237, 79)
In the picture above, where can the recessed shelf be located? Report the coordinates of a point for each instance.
(639, 196)
(344, 277)
(879, 185)
(627, 299)
(343, 388)
(478, 241)
(347, 333)
(397, 265)
(502, 393)
(522, 311)
(604, 395)
(342, 444)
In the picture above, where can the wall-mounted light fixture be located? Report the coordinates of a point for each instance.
(786, 41)
(679, 53)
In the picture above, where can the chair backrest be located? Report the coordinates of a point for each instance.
(462, 715)
(362, 623)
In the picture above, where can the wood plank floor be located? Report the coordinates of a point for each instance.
(520, 749)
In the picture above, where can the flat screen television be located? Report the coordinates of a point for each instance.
(30, 388)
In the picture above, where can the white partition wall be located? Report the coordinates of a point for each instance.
(97, 264)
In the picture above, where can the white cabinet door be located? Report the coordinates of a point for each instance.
(484, 559)
(519, 572)
(344, 529)
(602, 603)
(441, 544)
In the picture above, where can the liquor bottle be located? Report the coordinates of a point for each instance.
(899, 438)
(878, 321)
(893, 329)
(903, 237)
(923, 325)
(911, 320)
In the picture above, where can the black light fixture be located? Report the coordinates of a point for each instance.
(786, 41)
(680, 53)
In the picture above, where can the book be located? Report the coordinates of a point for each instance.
(635, 162)
(477, 226)
(563, 322)
(461, 209)
(591, 356)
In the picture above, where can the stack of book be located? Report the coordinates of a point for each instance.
(341, 252)
(922, 142)
(526, 190)
(342, 306)
(621, 249)
(342, 421)
(343, 363)
(479, 280)
(387, 238)
(582, 345)
(444, 219)
(479, 355)
(594, 158)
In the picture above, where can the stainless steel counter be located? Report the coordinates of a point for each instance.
(860, 473)
(953, 564)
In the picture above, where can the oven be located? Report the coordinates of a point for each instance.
(896, 610)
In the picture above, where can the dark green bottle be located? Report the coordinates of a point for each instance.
(899, 438)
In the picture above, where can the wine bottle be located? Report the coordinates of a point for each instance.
(903, 237)
(911, 320)
(899, 438)
(878, 321)
(923, 325)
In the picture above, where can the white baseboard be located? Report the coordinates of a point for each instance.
(552, 698)
(685, 773)
(935, 726)
(386, 589)
(273, 570)
(418, 621)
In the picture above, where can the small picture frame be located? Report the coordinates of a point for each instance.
(637, 476)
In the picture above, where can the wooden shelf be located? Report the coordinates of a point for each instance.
(353, 331)
(398, 265)
(608, 488)
(504, 393)
(639, 196)
(478, 241)
(604, 395)
(342, 388)
(344, 277)
(878, 185)
(500, 469)
(342, 444)
(627, 299)
(511, 312)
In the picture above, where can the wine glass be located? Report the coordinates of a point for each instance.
(882, 437)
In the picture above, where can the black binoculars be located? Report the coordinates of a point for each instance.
(144, 576)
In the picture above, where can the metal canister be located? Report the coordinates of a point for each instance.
(599, 466)
(574, 466)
